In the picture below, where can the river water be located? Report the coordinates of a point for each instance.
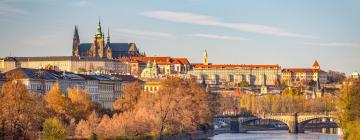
(276, 135)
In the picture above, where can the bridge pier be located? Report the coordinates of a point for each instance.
(294, 125)
(236, 127)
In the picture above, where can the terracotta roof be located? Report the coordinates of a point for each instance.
(159, 60)
(236, 66)
(316, 64)
(298, 70)
(301, 70)
(184, 61)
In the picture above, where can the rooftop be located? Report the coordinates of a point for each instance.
(37, 74)
(54, 58)
(162, 60)
(237, 66)
(301, 70)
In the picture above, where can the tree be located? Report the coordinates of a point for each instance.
(102, 128)
(132, 93)
(349, 109)
(81, 104)
(243, 84)
(291, 91)
(181, 105)
(86, 128)
(58, 104)
(54, 129)
(20, 115)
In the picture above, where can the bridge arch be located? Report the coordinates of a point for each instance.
(304, 121)
(284, 121)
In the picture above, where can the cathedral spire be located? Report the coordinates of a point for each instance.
(108, 35)
(76, 42)
(76, 33)
(98, 30)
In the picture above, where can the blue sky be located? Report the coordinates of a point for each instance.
(291, 33)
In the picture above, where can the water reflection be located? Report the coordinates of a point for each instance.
(276, 135)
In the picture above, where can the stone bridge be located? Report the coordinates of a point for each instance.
(295, 121)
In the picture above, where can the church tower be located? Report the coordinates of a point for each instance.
(205, 59)
(76, 43)
(98, 46)
(107, 47)
(316, 65)
(316, 69)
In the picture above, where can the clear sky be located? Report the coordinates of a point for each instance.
(292, 33)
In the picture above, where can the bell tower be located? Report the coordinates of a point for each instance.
(205, 58)
(98, 46)
(316, 65)
(316, 69)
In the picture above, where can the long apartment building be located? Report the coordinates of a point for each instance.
(254, 74)
(65, 63)
(103, 89)
(235, 73)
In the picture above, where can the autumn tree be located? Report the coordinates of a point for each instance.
(103, 127)
(86, 128)
(58, 103)
(181, 105)
(243, 83)
(54, 129)
(20, 115)
(132, 93)
(81, 104)
(349, 109)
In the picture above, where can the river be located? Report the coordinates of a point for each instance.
(276, 135)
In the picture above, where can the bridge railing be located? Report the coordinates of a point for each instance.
(270, 114)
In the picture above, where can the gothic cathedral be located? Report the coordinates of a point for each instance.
(99, 49)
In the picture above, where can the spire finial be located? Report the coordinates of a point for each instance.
(99, 20)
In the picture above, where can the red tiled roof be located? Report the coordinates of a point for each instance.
(184, 61)
(236, 66)
(298, 70)
(301, 70)
(159, 60)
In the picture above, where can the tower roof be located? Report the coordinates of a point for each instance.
(76, 33)
(98, 30)
(108, 36)
(148, 64)
(316, 64)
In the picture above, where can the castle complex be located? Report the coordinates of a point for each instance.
(101, 49)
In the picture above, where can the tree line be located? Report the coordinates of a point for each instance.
(180, 106)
